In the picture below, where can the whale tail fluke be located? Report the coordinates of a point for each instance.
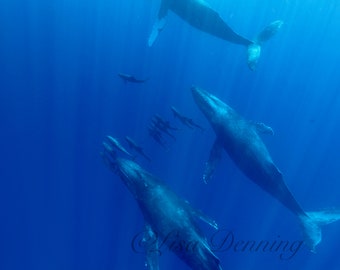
(254, 49)
(312, 222)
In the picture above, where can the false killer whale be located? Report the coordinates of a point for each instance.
(130, 78)
(240, 139)
(136, 147)
(116, 144)
(185, 120)
(169, 220)
(163, 125)
(201, 16)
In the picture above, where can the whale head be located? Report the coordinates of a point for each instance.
(213, 108)
(130, 172)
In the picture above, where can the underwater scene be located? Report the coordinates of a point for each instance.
(169, 134)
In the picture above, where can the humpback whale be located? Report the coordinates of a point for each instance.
(201, 16)
(240, 139)
(168, 217)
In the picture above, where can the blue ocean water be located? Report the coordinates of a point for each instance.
(61, 208)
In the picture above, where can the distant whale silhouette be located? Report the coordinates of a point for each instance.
(201, 16)
(116, 144)
(156, 134)
(130, 78)
(169, 220)
(185, 120)
(240, 139)
(163, 125)
(137, 148)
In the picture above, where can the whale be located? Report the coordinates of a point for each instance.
(169, 219)
(201, 16)
(185, 120)
(241, 140)
(117, 145)
(163, 125)
(130, 78)
(136, 147)
(157, 136)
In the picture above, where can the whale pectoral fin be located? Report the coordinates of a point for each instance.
(214, 158)
(269, 31)
(199, 214)
(157, 27)
(264, 129)
(159, 24)
(150, 241)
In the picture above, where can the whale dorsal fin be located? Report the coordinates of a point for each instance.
(160, 23)
(262, 128)
(214, 158)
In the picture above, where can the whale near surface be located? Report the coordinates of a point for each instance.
(240, 138)
(201, 16)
